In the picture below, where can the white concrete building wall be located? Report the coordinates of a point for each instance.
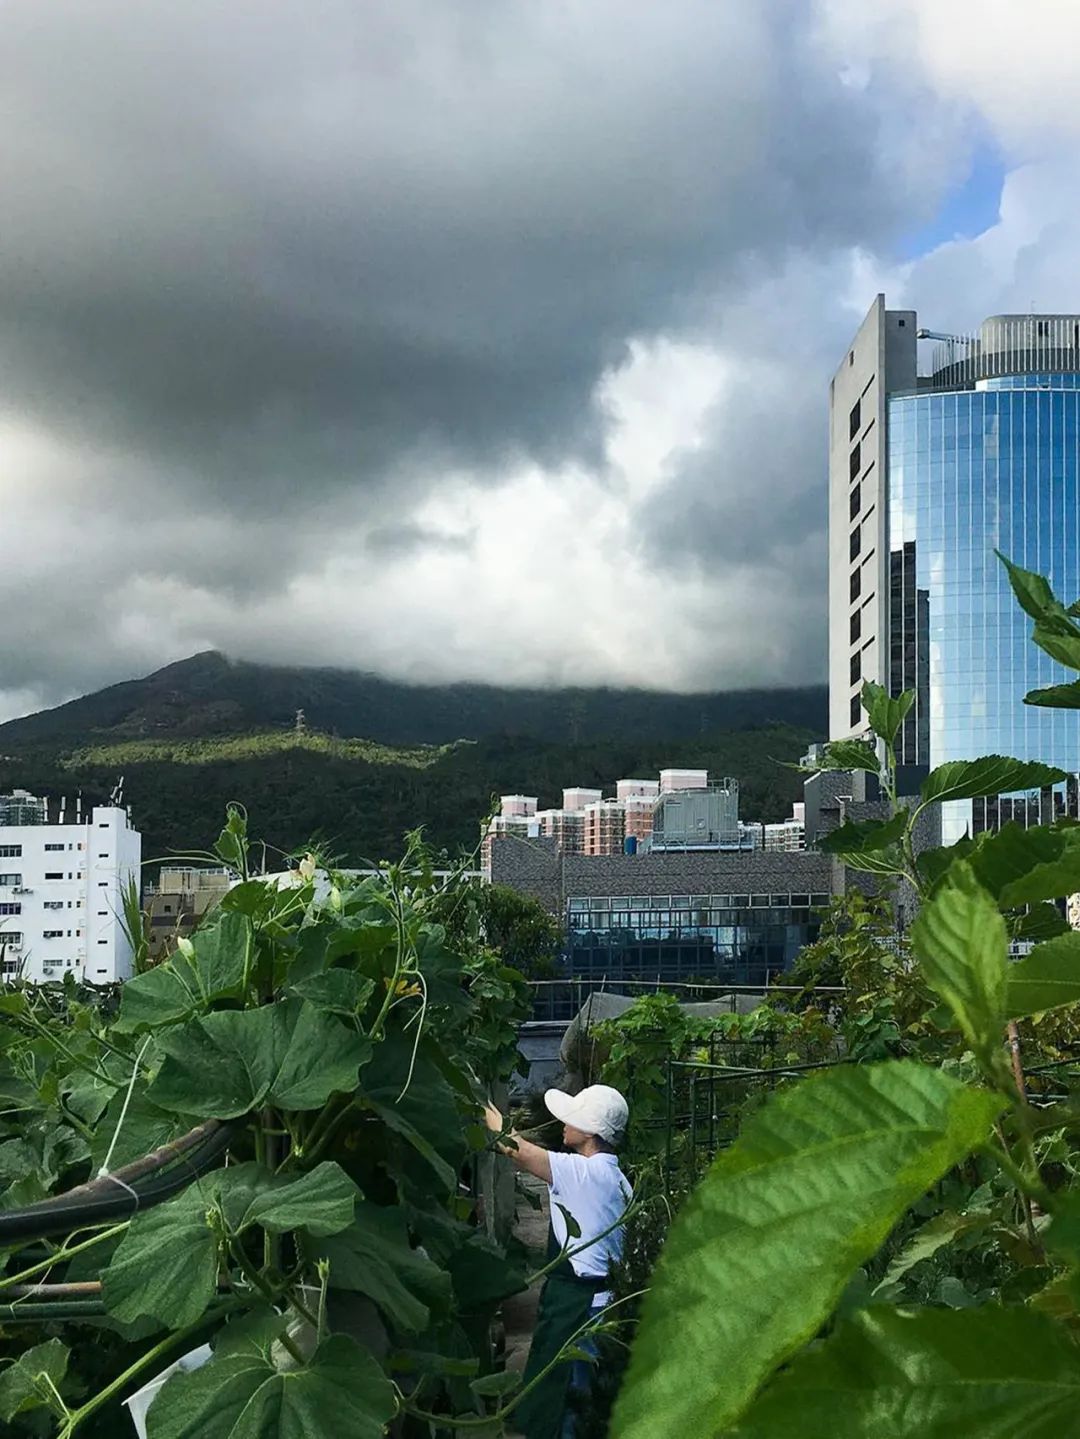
(880, 360)
(61, 893)
(577, 800)
(630, 788)
(672, 780)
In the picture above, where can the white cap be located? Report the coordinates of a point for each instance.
(598, 1110)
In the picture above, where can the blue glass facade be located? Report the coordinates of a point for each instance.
(731, 938)
(996, 466)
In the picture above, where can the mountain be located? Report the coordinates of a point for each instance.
(376, 758)
(211, 695)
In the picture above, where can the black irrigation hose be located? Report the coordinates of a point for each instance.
(65, 1213)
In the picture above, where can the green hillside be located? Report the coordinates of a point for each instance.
(360, 797)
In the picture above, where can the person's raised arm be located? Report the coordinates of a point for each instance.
(526, 1155)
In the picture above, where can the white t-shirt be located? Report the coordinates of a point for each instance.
(596, 1192)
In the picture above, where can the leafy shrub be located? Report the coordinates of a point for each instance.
(274, 1132)
(939, 1181)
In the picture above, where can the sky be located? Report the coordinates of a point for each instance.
(481, 339)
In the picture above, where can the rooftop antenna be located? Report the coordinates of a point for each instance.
(116, 798)
(301, 723)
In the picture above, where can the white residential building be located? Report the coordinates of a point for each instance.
(61, 891)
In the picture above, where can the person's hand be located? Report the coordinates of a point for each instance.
(493, 1119)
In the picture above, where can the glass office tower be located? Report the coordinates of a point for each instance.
(979, 453)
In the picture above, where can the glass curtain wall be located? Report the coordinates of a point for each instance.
(971, 471)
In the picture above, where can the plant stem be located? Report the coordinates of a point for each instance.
(60, 1255)
(260, 1282)
(488, 1419)
(171, 1341)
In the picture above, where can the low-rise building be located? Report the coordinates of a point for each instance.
(178, 901)
(734, 916)
(63, 877)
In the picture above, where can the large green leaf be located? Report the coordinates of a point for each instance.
(412, 1098)
(225, 1064)
(1059, 697)
(342, 991)
(1034, 595)
(166, 1266)
(1059, 643)
(963, 947)
(846, 754)
(992, 774)
(885, 713)
(760, 1253)
(187, 984)
(998, 1373)
(871, 845)
(374, 1257)
(241, 1395)
(1023, 866)
(31, 1380)
(1048, 978)
(319, 1203)
(145, 1128)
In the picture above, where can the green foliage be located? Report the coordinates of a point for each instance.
(243, 1394)
(885, 713)
(812, 1187)
(337, 1048)
(993, 774)
(872, 845)
(1048, 978)
(883, 1007)
(933, 1374)
(33, 1379)
(361, 797)
(962, 944)
(634, 1054)
(1055, 632)
(289, 1054)
(943, 1183)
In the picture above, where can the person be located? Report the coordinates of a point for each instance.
(588, 1184)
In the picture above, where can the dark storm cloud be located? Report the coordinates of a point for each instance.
(287, 244)
(270, 272)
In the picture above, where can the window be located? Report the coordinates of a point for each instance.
(103, 941)
(10, 909)
(10, 936)
(103, 855)
(856, 625)
(851, 358)
(103, 826)
(855, 464)
(54, 874)
(53, 904)
(53, 848)
(13, 880)
(52, 934)
(102, 883)
(856, 710)
(10, 851)
(855, 419)
(856, 583)
(901, 324)
(856, 668)
(855, 546)
(856, 501)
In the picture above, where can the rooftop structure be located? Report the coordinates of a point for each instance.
(62, 885)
